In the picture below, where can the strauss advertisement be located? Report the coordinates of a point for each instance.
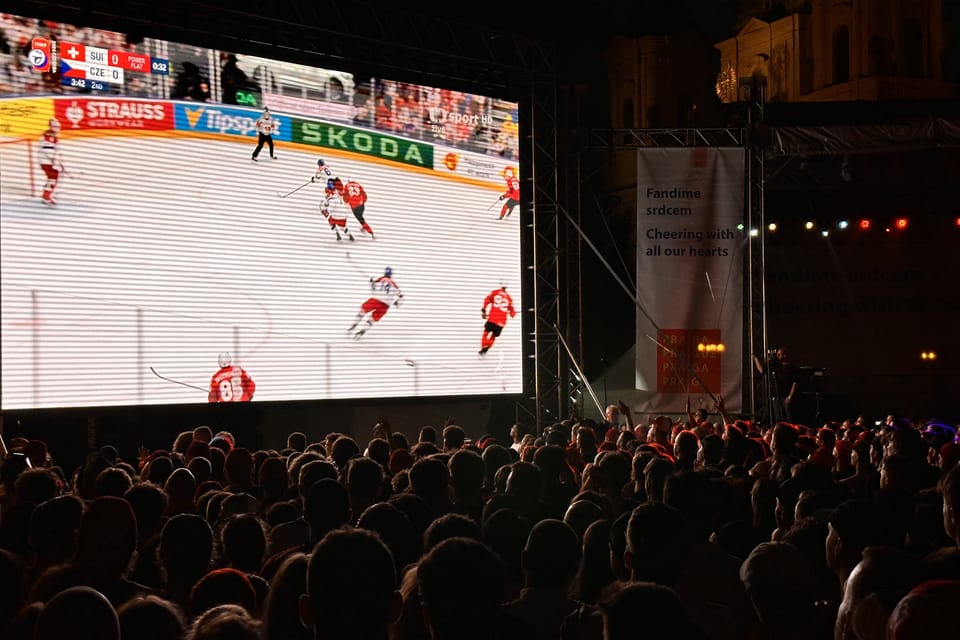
(86, 113)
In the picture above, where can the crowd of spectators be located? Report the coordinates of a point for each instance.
(453, 118)
(588, 531)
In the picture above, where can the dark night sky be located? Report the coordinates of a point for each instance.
(586, 26)
(581, 30)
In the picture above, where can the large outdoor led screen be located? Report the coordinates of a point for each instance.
(375, 253)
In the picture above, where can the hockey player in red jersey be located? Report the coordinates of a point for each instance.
(230, 383)
(334, 210)
(385, 293)
(500, 304)
(512, 194)
(50, 161)
(356, 198)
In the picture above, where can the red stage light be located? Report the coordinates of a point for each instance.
(865, 224)
(901, 223)
(957, 222)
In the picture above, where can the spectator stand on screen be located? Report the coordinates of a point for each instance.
(191, 84)
(383, 115)
(232, 78)
(363, 105)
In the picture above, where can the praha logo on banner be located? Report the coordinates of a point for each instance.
(689, 276)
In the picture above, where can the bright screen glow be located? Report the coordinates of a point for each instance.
(143, 249)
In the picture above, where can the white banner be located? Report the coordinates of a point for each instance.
(309, 107)
(480, 166)
(689, 277)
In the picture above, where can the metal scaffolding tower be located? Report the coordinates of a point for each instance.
(755, 333)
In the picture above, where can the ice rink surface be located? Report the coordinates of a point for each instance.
(163, 252)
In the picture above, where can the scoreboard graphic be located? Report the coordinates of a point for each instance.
(86, 67)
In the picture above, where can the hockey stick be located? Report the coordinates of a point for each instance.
(185, 384)
(356, 267)
(285, 195)
(495, 203)
(70, 174)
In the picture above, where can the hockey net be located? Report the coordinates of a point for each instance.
(20, 175)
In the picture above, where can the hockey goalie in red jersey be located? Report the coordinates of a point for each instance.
(500, 304)
(230, 383)
(385, 293)
(50, 161)
(512, 194)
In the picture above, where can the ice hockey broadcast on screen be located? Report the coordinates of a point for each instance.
(187, 225)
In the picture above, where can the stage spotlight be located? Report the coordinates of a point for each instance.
(754, 232)
(772, 227)
(957, 223)
(809, 225)
(865, 224)
(901, 223)
(843, 224)
(928, 355)
(825, 233)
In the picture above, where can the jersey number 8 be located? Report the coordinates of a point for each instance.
(230, 392)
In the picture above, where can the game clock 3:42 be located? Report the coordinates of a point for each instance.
(83, 83)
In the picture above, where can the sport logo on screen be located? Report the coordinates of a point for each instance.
(41, 54)
(227, 121)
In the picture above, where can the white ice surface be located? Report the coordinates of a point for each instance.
(164, 252)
